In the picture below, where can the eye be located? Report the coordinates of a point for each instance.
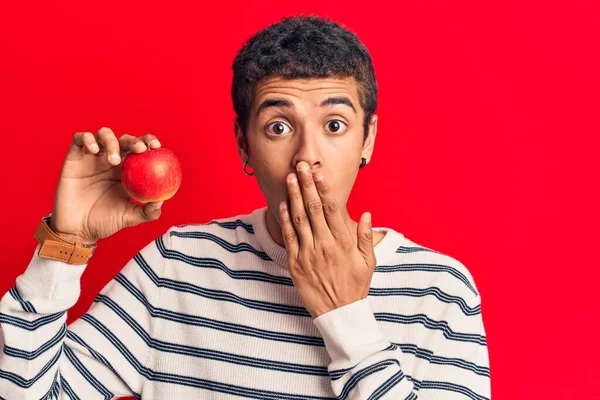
(278, 128)
(336, 126)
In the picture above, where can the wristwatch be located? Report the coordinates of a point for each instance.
(56, 248)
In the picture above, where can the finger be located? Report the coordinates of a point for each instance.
(129, 143)
(151, 141)
(82, 142)
(298, 212)
(107, 139)
(145, 213)
(331, 210)
(312, 202)
(290, 239)
(364, 233)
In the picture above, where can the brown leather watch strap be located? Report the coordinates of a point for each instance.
(56, 248)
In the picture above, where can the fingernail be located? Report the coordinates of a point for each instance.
(94, 147)
(140, 145)
(115, 157)
(155, 143)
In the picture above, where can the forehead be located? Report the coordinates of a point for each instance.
(305, 89)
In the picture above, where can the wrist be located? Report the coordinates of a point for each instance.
(71, 238)
(350, 333)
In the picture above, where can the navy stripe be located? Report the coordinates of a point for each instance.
(68, 389)
(412, 396)
(387, 385)
(217, 264)
(452, 387)
(30, 325)
(427, 268)
(232, 248)
(363, 373)
(218, 294)
(27, 383)
(225, 224)
(338, 373)
(192, 381)
(212, 354)
(433, 291)
(54, 389)
(83, 371)
(30, 355)
(427, 355)
(433, 359)
(100, 358)
(210, 323)
(431, 324)
(27, 306)
(413, 249)
(233, 225)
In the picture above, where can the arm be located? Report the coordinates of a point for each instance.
(364, 365)
(100, 355)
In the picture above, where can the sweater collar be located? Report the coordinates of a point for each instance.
(384, 250)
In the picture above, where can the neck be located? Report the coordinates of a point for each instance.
(275, 229)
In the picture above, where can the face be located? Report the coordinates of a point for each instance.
(319, 121)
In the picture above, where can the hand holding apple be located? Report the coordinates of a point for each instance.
(91, 201)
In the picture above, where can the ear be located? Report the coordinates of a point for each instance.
(369, 144)
(240, 138)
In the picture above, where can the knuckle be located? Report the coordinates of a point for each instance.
(315, 207)
(330, 207)
(344, 242)
(300, 219)
(327, 250)
(295, 194)
(289, 237)
(308, 184)
(104, 131)
(324, 189)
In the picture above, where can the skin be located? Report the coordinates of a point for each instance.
(330, 255)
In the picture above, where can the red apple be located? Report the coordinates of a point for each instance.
(153, 175)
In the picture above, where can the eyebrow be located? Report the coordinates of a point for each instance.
(330, 101)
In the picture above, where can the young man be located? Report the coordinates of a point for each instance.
(293, 301)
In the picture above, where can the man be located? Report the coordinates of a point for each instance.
(293, 301)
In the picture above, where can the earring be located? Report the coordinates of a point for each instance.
(245, 171)
(363, 162)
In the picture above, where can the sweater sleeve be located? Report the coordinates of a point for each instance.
(101, 355)
(364, 365)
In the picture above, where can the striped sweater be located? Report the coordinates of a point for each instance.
(209, 311)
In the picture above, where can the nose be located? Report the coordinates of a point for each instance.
(308, 151)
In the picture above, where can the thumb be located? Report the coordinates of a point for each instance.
(144, 213)
(365, 238)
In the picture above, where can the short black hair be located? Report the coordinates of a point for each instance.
(302, 47)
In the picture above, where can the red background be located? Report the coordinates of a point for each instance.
(485, 150)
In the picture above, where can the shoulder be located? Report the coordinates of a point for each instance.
(213, 236)
(425, 266)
